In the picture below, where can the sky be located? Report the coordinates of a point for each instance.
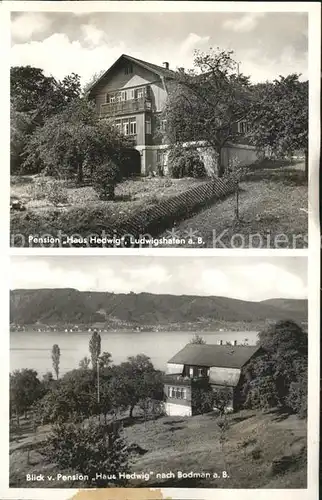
(266, 44)
(246, 278)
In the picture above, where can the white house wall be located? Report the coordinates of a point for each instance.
(242, 154)
(174, 368)
(177, 410)
(224, 376)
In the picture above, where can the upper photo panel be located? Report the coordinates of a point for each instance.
(164, 130)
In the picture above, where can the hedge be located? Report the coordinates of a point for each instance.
(152, 219)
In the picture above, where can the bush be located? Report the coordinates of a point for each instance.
(202, 400)
(297, 397)
(88, 449)
(47, 189)
(105, 178)
(262, 394)
(185, 162)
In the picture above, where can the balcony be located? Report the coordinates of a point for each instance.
(178, 379)
(125, 107)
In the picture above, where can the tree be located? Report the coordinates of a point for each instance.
(84, 363)
(205, 104)
(135, 381)
(25, 389)
(222, 399)
(21, 126)
(34, 98)
(55, 356)
(197, 339)
(105, 360)
(74, 141)
(93, 79)
(73, 399)
(95, 348)
(89, 449)
(32, 91)
(279, 116)
(202, 399)
(282, 362)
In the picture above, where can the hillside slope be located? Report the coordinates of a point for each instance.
(59, 306)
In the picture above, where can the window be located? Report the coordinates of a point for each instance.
(129, 126)
(128, 69)
(123, 95)
(118, 125)
(112, 98)
(243, 127)
(125, 126)
(200, 372)
(148, 129)
(139, 93)
(132, 126)
(177, 392)
(190, 372)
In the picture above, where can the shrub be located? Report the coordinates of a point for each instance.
(185, 162)
(47, 189)
(105, 178)
(88, 449)
(57, 193)
(297, 397)
(202, 400)
(262, 393)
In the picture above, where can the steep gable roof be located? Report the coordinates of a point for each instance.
(159, 70)
(221, 356)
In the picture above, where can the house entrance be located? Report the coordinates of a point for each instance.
(131, 163)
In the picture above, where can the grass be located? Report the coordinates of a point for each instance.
(262, 450)
(129, 193)
(273, 210)
(81, 212)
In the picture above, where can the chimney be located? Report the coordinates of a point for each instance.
(235, 342)
(166, 65)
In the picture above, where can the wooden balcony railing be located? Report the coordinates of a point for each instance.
(125, 107)
(177, 379)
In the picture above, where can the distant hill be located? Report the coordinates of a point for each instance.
(67, 305)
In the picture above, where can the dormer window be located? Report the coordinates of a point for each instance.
(128, 70)
(243, 127)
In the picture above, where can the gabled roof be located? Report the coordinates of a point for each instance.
(159, 70)
(221, 356)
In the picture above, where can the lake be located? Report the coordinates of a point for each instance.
(33, 349)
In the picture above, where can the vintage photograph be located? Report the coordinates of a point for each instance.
(161, 130)
(172, 372)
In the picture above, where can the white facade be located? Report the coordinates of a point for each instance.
(177, 410)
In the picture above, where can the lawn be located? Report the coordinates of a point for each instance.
(133, 192)
(273, 212)
(262, 450)
(56, 210)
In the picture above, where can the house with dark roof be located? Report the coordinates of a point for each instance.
(222, 367)
(132, 94)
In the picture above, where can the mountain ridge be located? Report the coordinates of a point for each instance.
(68, 305)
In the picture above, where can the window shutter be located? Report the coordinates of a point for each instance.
(148, 91)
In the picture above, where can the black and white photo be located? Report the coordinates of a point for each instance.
(161, 130)
(158, 372)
